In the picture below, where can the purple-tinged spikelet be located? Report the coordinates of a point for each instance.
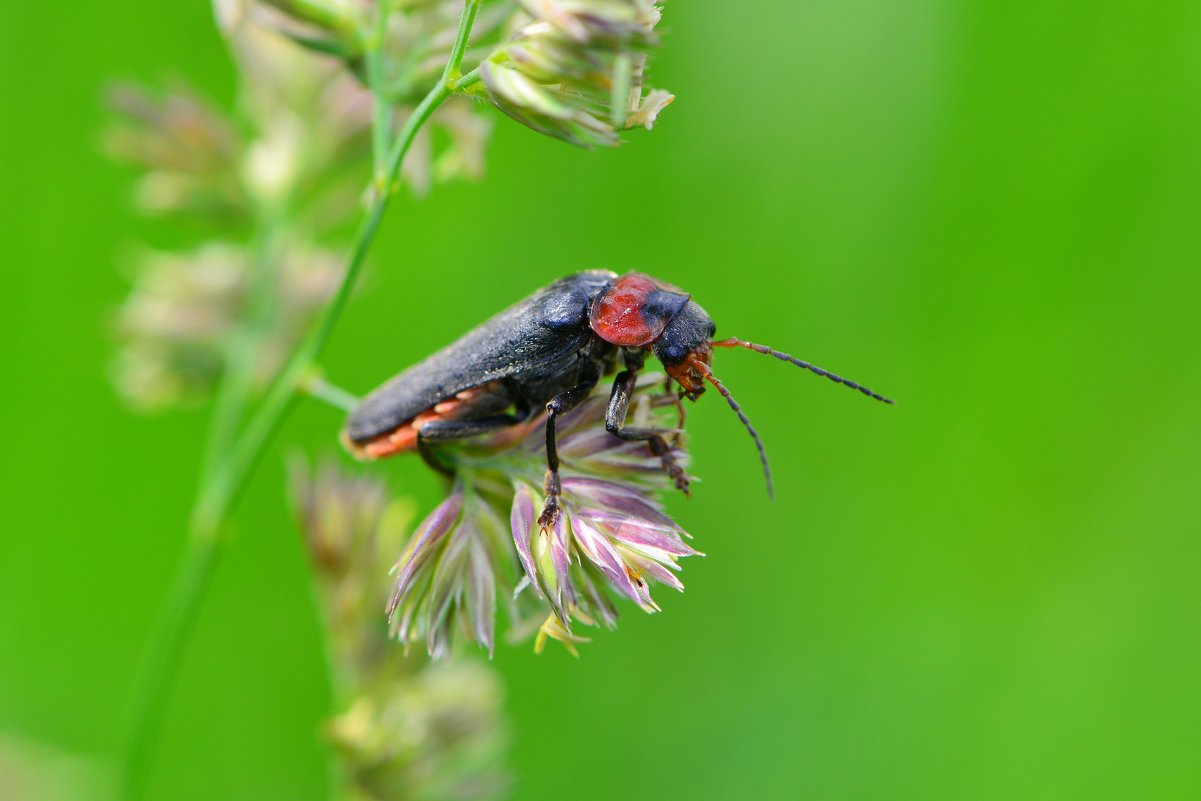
(613, 539)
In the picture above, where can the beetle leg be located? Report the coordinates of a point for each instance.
(681, 412)
(446, 430)
(560, 404)
(615, 424)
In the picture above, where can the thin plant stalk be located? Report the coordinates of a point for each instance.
(315, 386)
(222, 488)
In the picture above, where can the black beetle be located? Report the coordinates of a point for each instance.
(549, 351)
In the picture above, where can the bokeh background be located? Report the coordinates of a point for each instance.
(990, 211)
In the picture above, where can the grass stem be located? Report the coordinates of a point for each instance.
(225, 482)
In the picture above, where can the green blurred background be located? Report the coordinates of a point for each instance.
(990, 211)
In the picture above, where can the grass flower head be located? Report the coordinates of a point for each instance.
(577, 71)
(612, 539)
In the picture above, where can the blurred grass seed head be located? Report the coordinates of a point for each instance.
(407, 729)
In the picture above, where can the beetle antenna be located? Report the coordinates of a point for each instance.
(784, 357)
(750, 429)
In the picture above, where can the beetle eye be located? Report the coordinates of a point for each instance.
(674, 353)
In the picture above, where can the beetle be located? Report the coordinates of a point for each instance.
(549, 352)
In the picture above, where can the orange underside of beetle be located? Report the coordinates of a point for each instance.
(404, 436)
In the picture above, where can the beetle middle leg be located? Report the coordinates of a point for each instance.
(615, 424)
(560, 404)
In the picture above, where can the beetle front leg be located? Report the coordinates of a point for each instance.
(560, 404)
(615, 424)
(677, 400)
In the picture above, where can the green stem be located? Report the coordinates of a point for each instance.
(467, 82)
(223, 488)
(455, 63)
(315, 386)
(167, 645)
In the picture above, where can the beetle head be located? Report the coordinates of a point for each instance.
(686, 348)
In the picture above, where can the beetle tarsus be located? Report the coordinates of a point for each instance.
(550, 510)
(660, 448)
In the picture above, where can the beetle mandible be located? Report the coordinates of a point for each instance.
(549, 351)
